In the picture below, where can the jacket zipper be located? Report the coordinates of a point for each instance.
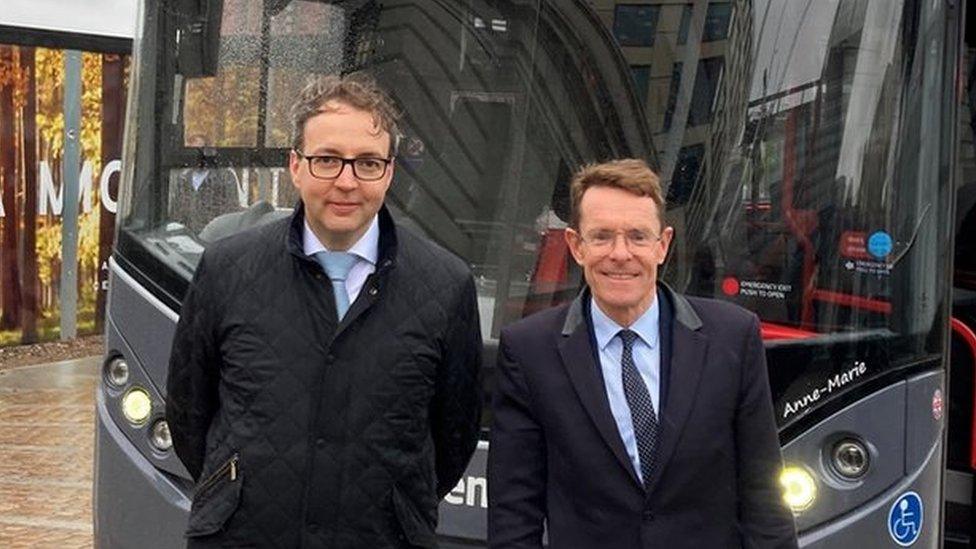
(229, 465)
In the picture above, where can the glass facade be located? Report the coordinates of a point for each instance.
(634, 25)
(717, 21)
(707, 80)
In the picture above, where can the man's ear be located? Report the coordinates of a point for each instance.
(575, 244)
(294, 166)
(667, 235)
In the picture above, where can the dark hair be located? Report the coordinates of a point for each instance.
(356, 89)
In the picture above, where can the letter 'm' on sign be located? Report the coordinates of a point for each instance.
(112, 168)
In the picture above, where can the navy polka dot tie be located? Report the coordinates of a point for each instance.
(641, 406)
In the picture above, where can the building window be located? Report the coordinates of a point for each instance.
(706, 83)
(685, 174)
(672, 95)
(685, 23)
(717, 22)
(642, 77)
(634, 25)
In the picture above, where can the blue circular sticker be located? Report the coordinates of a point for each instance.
(905, 519)
(879, 244)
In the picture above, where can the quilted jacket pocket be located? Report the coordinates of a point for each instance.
(216, 499)
(416, 527)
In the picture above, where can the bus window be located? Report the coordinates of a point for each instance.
(484, 163)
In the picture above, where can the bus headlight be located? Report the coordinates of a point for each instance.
(799, 488)
(117, 372)
(159, 436)
(136, 406)
(850, 458)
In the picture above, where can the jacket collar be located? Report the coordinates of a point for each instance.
(386, 258)
(687, 352)
(683, 312)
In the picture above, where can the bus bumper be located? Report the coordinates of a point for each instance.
(135, 504)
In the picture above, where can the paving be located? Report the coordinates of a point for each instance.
(47, 422)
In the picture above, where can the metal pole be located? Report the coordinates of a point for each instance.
(69, 194)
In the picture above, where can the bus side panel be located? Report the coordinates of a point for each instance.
(910, 411)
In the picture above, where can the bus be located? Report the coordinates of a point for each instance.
(808, 150)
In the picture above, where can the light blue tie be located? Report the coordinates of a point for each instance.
(337, 266)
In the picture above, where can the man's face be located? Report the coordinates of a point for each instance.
(339, 210)
(621, 273)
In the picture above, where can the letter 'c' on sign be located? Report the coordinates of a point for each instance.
(111, 169)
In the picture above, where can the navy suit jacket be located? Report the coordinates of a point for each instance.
(556, 458)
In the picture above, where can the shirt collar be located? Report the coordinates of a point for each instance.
(646, 326)
(367, 247)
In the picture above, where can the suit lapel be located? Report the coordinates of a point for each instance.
(577, 357)
(689, 348)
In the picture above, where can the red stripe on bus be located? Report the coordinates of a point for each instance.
(968, 337)
(772, 331)
(854, 301)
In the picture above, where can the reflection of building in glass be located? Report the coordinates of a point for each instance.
(698, 62)
(501, 102)
(508, 101)
(808, 173)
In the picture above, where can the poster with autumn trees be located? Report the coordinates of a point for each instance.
(31, 159)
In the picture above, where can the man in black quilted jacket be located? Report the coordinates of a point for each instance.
(323, 388)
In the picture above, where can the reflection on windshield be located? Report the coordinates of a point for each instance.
(792, 211)
(786, 131)
(201, 193)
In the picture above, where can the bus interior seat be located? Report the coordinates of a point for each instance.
(256, 214)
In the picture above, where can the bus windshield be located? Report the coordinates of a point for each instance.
(494, 126)
(787, 134)
(817, 203)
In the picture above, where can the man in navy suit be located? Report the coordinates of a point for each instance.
(633, 417)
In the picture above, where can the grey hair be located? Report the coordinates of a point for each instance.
(356, 89)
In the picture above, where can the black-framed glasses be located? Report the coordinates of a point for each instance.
(330, 167)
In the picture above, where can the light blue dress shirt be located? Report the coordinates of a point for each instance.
(647, 356)
(366, 250)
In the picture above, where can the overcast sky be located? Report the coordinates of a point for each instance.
(101, 17)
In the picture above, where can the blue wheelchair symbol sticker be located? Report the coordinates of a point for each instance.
(905, 519)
